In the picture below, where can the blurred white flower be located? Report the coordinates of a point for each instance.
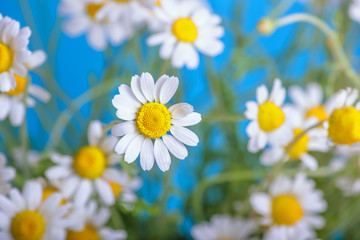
(6, 175)
(188, 27)
(12, 102)
(146, 117)
(290, 208)
(223, 227)
(269, 120)
(13, 52)
(87, 172)
(354, 10)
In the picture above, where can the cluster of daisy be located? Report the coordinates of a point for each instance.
(181, 27)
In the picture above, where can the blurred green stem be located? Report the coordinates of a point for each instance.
(335, 43)
(224, 118)
(24, 137)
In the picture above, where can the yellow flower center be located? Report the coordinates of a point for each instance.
(123, 1)
(27, 225)
(300, 145)
(20, 86)
(93, 8)
(185, 30)
(88, 233)
(116, 188)
(344, 125)
(286, 210)
(49, 191)
(6, 58)
(270, 116)
(158, 3)
(90, 162)
(319, 112)
(153, 120)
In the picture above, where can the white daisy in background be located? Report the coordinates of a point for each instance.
(310, 101)
(6, 175)
(354, 10)
(290, 209)
(33, 157)
(94, 227)
(83, 18)
(345, 116)
(12, 102)
(146, 117)
(89, 170)
(223, 227)
(13, 52)
(24, 216)
(269, 120)
(188, 27)
(313, 140)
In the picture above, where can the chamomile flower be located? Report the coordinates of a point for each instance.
(269, 121)
(12, 101)
(84, 18)
(87, 172)
(290, 209)
(188, 27)
(354, 10)
(13, 52)
(6, 175)
(24, 216)
(344, 121)
(32, 156)
(310, 101)
(146, 117)
(313, 140)
(94, 225)
(223, 227)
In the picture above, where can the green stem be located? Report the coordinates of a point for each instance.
(24, 137)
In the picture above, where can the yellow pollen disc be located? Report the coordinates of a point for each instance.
(90, 162)
(20, 86)
(153, 120)
(49, 191)
(88, 233)
(270, 116)
(123, 1)
(185, 30)
(6, 58)
(286, 210)
(27, 225)
(319, 112)
(344, 125)
(116, 188)
(93, 8)
(300, 146)
(158, 3)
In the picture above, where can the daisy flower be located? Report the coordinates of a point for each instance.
(344, 121)
(12, 101)
(24, 216)
(269, 121)
(223, 227)
(84, 18)
(187, 27)
(310, 101)
(13, 52)
(94, 225)
(146, 117)
(33, 157)
(87, 172)
(6, 175)
(313, 140)
(290, 208)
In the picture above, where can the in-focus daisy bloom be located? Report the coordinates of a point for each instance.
(187, 27)
(12, 101)
(223, 227)
(268, 118)
(290, 208)
(313, 140)
(94, 225)
(13, 52)
(146, 117)
(25, 217)
(84, 18)
(344, 121)
(89, 170)
(6, 175)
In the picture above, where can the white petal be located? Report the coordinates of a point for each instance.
(95, 133)
(262, 94)
(17, 113)
(5, 106)
(123, 144)
(147, 86)
(251, 110)
(124, 128)
(168, 89)
(190, 120)
(39, 93)
(136, 88)
(175, 147)
(184, 135)
(32, 194)
(105, 191)
(181, 110)
(309, 161)
(147, 155)
(96, 38)
(133, 150)
(158, 85)
(83, 193)
(37, 58)
(162, 155)
(261, 203)
(57, 172)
